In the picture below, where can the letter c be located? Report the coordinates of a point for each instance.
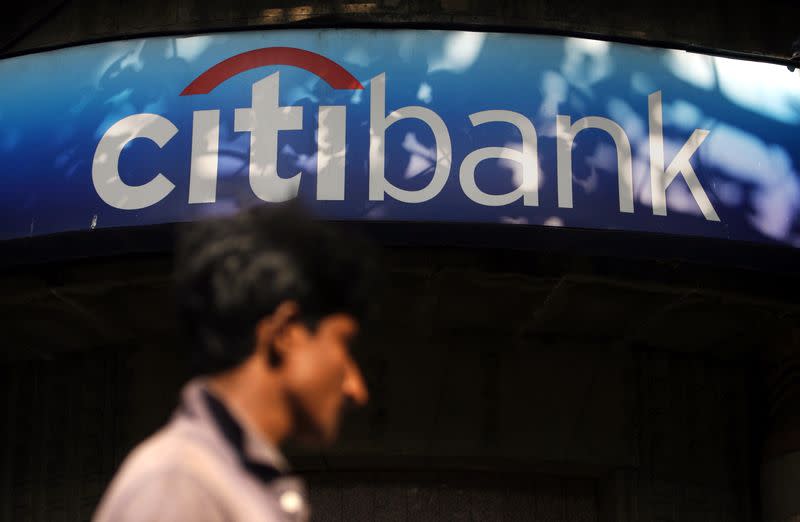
(105, 173)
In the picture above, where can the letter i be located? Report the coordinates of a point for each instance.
(205, 156)
(331, 152)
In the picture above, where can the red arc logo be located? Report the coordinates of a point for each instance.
(334, 74)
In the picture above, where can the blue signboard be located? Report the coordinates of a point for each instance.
(400, 125)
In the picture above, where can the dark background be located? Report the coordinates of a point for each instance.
(549, 375)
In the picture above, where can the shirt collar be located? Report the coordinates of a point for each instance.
(257, 454)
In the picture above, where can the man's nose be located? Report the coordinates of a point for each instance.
(355, 388)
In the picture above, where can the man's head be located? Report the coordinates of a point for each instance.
(274, 291)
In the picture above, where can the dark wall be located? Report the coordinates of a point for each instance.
(504, 386)
(554, 392)
(767, 28)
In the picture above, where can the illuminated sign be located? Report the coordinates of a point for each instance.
(401, 126)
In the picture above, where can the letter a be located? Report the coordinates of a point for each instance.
(527, 157)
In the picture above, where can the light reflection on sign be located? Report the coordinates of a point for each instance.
(402, 125)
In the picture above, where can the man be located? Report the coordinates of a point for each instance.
(272, 301)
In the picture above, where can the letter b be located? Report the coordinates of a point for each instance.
(379, 122)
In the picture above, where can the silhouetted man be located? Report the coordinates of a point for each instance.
(272, 302)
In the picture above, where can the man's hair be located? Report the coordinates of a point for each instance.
(231, 272)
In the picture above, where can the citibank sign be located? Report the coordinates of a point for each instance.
(266, 118)
(401, 125)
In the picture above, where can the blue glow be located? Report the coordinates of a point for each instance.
(58, 105)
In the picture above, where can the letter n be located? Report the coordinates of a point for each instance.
(566, 136)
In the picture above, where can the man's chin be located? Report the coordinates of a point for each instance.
(311, 430)
(317, 439)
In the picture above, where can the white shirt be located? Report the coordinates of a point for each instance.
(204, 466)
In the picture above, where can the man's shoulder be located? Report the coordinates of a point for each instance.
(177, 448)
(165, 472)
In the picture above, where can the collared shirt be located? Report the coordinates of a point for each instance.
(204, 466)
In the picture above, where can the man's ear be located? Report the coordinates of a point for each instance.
(270, 332)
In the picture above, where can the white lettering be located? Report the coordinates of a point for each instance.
(263, 121)
(379, 122)
(266, 118)
(528, 157)
(660, 179)
(566, 137)
(205, 157)
(105, 165)
(331, 153)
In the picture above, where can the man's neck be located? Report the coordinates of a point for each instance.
(252, 393)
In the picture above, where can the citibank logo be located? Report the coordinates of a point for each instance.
(333, 73)
(265, 118)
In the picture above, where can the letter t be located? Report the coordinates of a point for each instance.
(263, 121)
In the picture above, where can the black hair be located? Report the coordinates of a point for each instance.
(231, 272)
